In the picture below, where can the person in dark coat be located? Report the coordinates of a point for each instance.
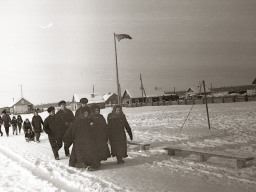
(64, 119)
(51, 129)
(83, 102)
(26, 125)
(101, 132)
(117, 124)
(37, 123)
(30, 135)
(84, 153)
(7, 121)
(19, 122)
(14, 125)
(1, 123)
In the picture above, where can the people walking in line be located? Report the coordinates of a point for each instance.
(29, 135)
(84, 152)
(117, 124)
(51, 129)
(101, 132)
(84, 102)
(26, 125)
(37, 123)
(14, 125)
(64, 119)
(6, 121)
(19, 122)
(1, 122)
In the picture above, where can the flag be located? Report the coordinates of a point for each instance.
(122, 36)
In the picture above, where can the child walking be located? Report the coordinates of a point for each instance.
(14, 125)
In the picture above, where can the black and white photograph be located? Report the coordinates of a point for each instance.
(128, 96)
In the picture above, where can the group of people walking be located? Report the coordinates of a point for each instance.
(32, 130)
(89, 133)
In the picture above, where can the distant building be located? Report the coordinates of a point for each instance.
(234, 89)
(134, 95)
(92, 98)
(110, 98)
(20, 106)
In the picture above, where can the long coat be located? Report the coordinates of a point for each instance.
(101, 132)
(26, 126)
(84, 151)
(20, 121)
(63, 120)
(50, 127)
(6, 119)
(37, 123)
(117, 125)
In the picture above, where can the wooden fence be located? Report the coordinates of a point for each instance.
(223, 99)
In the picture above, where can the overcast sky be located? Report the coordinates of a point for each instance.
(61, 47)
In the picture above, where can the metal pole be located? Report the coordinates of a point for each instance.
(117, 78)
(206, 106)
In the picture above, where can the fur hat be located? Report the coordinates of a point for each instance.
(50, 109)
(61, 102)
(84, 100)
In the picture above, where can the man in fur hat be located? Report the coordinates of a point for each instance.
(64, 119)
(84, 102)
(52, 131)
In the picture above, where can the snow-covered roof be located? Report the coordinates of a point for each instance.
(92, 98)
(107, 96)
(150, 92)
(18, 100)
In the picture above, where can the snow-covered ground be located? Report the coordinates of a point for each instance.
(31, 166)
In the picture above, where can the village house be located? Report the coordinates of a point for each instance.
(92, 98)
(110, 98)
(20, 106)
(134, 95)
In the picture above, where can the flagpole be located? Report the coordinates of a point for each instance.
(117, 78)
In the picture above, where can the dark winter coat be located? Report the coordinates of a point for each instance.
(101, 133)
(14, 122)
(30, 136)
(19, 121)
(117, 125)
(63, 120)
(78, 111)
(1, 121)
(26, 126)
(50, 127)
(84, 151)
(37, 123)
(6, 119)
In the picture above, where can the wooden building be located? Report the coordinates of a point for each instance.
(92, 98)
(20, 106)
(110, 98)
(134, 95)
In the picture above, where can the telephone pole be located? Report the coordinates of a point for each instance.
(21, 91)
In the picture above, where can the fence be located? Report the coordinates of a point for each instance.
(223, 99)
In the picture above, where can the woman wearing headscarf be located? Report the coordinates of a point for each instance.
(7, 121)
(117, 124)
(81, 134)
(101, 132)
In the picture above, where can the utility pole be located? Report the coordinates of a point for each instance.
(206, 105)
(142, 88)
(21, 91)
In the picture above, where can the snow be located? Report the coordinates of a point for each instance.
(31, 166)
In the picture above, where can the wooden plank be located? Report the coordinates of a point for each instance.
(219, 154)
